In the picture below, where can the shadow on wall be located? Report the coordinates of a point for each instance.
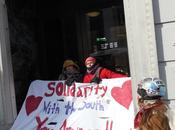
(159, 40)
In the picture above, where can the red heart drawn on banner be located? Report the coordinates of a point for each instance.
(32, 103)
(123, 95)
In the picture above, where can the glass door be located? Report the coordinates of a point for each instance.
(105, 35)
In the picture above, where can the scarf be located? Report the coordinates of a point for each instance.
(93, 69)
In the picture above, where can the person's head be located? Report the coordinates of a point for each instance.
(151, 89)
(70, 65)
(90, 62)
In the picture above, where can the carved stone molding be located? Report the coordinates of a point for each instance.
(150, 37)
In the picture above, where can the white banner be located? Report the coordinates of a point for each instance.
(51, 105)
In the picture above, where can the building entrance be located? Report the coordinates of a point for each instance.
(43, 34)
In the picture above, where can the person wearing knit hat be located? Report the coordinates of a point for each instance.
(70, 72)
(95, 73)
(68, 63)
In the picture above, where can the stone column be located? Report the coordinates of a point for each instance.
(7, 92)
(141, 41)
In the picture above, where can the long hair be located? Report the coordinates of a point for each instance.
(154, 116)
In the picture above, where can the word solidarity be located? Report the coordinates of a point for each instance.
(60, 89)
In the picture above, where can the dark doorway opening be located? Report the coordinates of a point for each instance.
(45, 33)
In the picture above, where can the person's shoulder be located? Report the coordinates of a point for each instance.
(117, 74)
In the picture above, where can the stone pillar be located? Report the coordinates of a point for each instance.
(7, 92)
(141, 41)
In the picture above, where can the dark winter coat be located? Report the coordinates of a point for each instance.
(70, 77)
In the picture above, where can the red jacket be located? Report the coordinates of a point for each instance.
(103, 74)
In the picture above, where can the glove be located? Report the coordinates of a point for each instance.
(96, 80)
(69, 82)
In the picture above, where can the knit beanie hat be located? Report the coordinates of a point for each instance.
(69, 63)
(92, 59)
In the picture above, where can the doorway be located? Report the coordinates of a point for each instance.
(43, 34)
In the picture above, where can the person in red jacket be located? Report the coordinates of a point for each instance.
(95, 73)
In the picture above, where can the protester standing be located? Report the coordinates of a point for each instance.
(95, 72)
(70, 73)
